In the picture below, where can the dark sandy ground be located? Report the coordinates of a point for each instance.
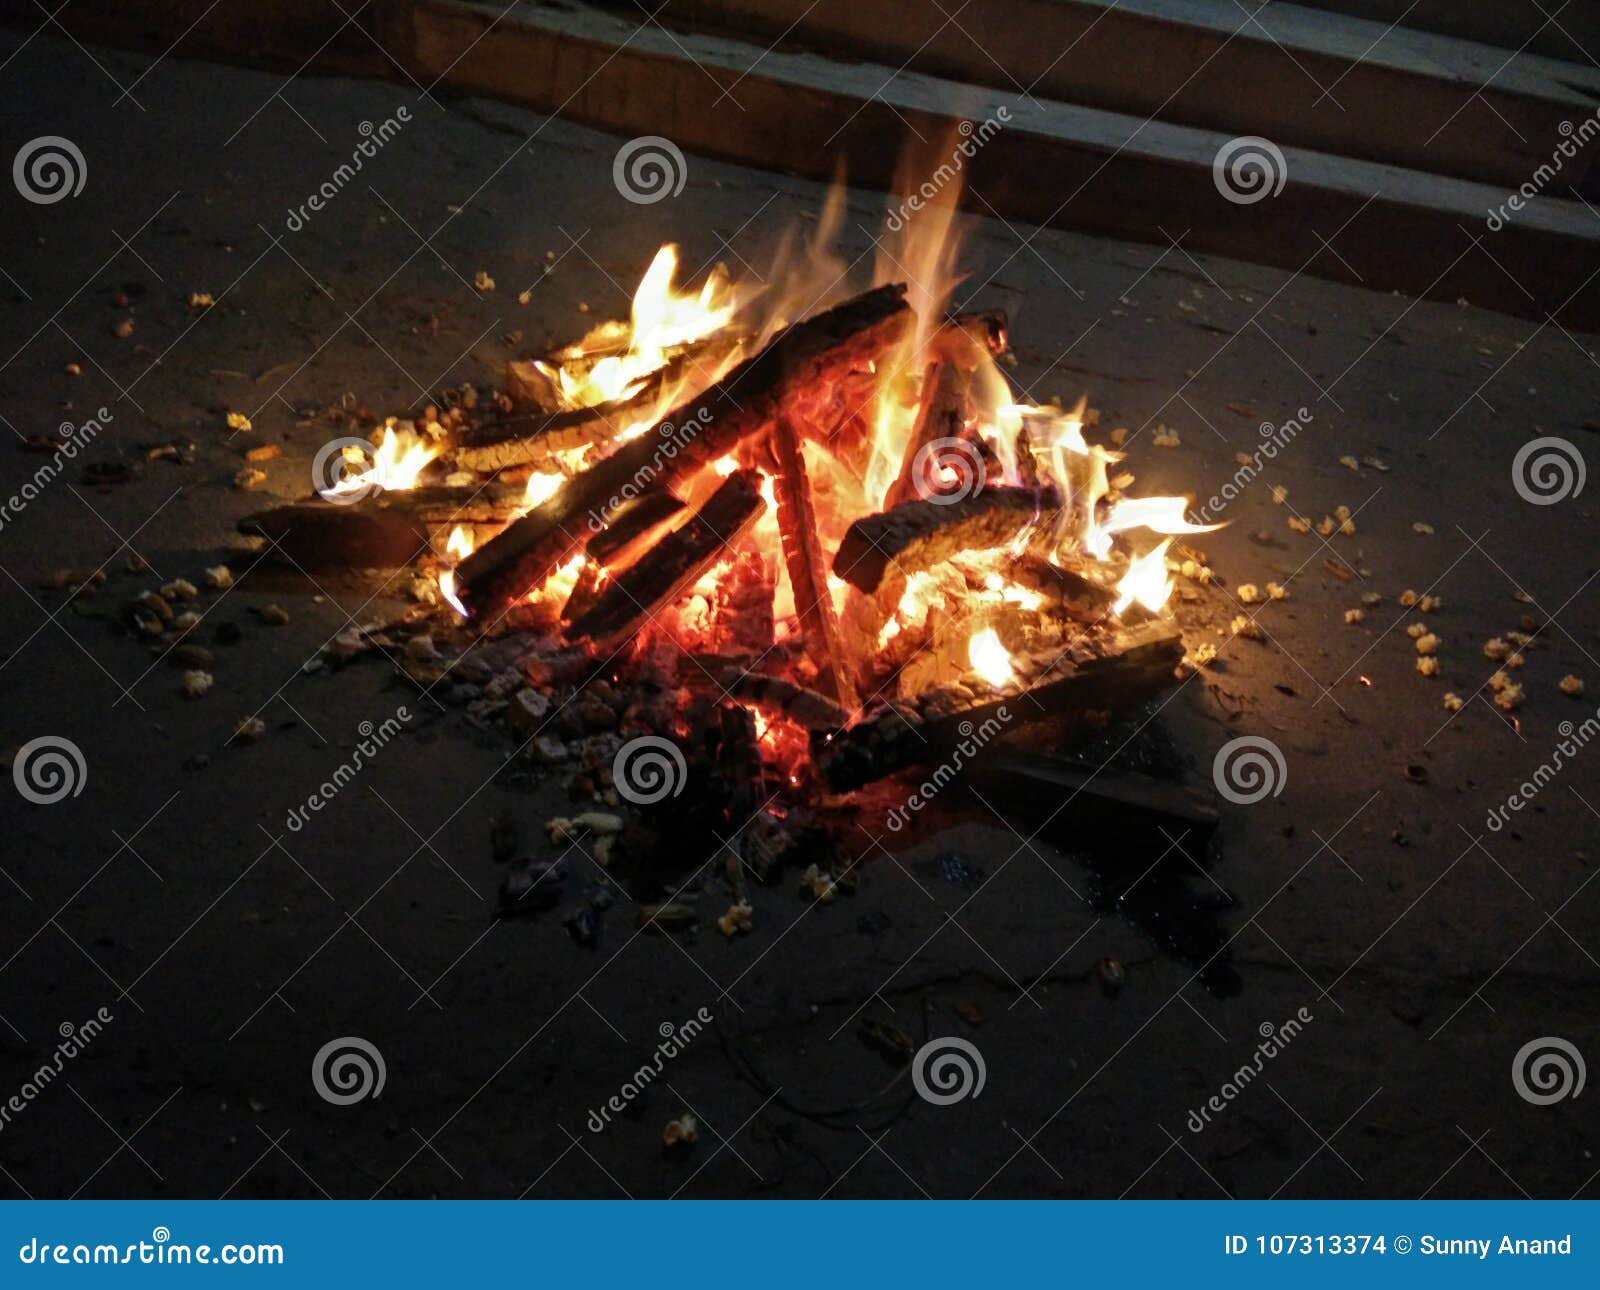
(1426, 949)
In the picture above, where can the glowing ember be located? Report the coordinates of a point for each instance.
(539, 488)
(989, 658)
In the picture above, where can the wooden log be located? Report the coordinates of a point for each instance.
(819, 349)
(384, 530)
(664, 573)
(635, 524)
(536, 437)
(808, 570)
(779, 697)
(942, 413)
(1080, 806)
(920, 535)
(1112, 670)
(1065, 589)
(969, 339)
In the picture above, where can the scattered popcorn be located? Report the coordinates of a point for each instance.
(1377, 463)
(1326, 526)
(1341, 512)
(1371, 598)
(1520, 639)
(249, 730)
(199, 300)
(736, 920)
(1570, 684)
(1428, 644)
(1195, 571)
(179, 589)
(1353, 616)
(1495, 648)
(1514, 661)
(1408, 598)
(1452, 703)
(273, 616)
(238, 421)
(524, 296)
(195, 684)
(1165, 438)
(74, 369)
(1416, 630)
(1277, 592)
(1242, 458)
(1298, 525)
(1348, 528)
(1428, 666)
(1427, 604)
(248, 478)
(1425, 529)
(1279, 492)
(219, 576)
(1246, 627)
(1508, 699)
(817, 885)
(1249, 593)
(682, 1132)
(482, 281)
(1499, 681)
(123, 329)
(266, 452)
(1350, 463)
(1201, 655)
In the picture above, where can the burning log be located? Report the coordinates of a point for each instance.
(535, 438)
(919, 535)
(1114, 670)
(818, 350)
(745, 618)
(941, 414)
(669, 569)
(386, 530)
(618, 544)
(778, 697)
(808, 571)
(1067, 590)
(967, 340)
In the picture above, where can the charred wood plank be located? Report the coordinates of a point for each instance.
(808, 570)
(384, 530)
(664, 573)
(819, 349)
(919, 535)
(1111, 671)
(1065, 589)
(778, 697)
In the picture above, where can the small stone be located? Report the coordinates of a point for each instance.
(74, 369)
(421, 648)
(528, 711)
(123, 329)
(550, 750)
(1426, 530)
(191, 656)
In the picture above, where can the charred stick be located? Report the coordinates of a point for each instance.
(664, 573)
(917, 536)
(808, 570)
(819, 350)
